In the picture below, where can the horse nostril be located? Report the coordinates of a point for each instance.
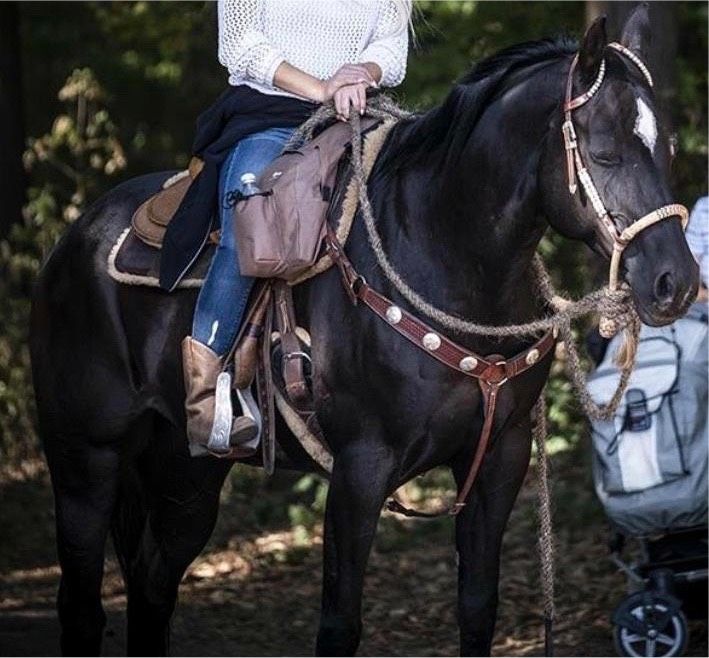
(665, 288)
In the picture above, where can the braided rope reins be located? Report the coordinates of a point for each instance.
(616, 304)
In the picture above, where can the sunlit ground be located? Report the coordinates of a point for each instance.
(255, 590)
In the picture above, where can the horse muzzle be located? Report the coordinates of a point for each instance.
(663, 296)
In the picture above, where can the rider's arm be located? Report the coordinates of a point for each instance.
(292, 79)
(385, 55)
(243, 47)
(247, 53)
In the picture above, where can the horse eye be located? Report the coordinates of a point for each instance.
(605, 157)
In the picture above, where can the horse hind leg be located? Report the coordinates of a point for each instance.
(84, 477)
(166, 512)
(147, 615)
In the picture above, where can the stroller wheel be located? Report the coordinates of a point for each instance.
(650, 624)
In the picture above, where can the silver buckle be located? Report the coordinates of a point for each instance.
(297, 355)
(569, 132)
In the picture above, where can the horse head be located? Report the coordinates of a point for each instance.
(610, 168)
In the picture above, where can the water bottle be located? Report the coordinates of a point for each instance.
(248, 184)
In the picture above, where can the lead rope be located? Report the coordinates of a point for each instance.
(545, 531)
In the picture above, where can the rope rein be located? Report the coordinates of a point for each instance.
(615, 304)
(545, 536)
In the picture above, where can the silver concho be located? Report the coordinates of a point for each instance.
(468, 363)
(431, 341)
(394, 314)
(532, 357)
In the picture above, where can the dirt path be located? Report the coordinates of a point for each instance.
(255, 590)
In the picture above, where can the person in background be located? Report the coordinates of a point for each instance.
(283, 58)
(698, 241)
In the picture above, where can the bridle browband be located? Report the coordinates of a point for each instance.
(576, 169)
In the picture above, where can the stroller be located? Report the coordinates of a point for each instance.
(650, 474)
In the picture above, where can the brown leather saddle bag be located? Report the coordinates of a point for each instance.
(279, 231)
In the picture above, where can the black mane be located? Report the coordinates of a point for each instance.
(469, 98)
(520, 55)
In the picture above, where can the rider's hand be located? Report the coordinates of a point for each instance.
(350, 96)
(348, 74)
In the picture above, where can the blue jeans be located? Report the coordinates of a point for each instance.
(223, 298)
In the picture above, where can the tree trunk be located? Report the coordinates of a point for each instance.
(12, 134)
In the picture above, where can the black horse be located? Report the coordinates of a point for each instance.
(463, 195)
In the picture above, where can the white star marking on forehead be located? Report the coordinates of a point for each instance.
(646, 126)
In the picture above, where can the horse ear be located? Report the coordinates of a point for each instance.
(592, 48)
(636, 33)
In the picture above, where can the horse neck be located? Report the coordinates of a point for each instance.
(463, 225)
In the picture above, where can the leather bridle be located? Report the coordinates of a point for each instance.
(576, 169)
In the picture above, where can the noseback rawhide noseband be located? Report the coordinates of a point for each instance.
(575, 168)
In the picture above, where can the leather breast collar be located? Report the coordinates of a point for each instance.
(491, 371)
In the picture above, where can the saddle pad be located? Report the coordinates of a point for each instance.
(131, 261)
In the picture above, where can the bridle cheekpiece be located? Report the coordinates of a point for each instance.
(576, 169)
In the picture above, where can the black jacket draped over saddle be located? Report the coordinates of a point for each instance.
(240, 111)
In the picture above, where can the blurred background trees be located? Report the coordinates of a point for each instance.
(96, 92)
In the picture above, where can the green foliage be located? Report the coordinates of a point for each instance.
(157, 61)
(306, 513)
(70, 164)
(690, 167)
(452, 36)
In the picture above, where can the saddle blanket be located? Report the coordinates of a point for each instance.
(131, 261)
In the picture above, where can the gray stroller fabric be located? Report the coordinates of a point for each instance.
(650, 460)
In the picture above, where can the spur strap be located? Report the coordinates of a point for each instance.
(491, 372)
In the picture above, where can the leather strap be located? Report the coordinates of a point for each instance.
(491, 372)
(265, 389)
(576, 170)
(447, 351)
(428, 339)
(254, 317)
(292, 355)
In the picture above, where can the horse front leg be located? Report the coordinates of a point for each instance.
(361, 480)
(479, 530)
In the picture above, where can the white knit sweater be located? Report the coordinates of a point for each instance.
(316, 36)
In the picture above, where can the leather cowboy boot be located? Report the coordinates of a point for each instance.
(201, 367)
